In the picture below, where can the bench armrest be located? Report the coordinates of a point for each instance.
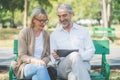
(10, 72)
(105, 69)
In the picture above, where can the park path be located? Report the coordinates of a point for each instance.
(6, 56)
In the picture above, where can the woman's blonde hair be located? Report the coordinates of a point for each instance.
(36, 13)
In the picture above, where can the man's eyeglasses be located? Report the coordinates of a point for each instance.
(42, 21)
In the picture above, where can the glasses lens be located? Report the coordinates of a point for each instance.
(43, 21)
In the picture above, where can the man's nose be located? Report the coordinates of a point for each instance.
(61, 18)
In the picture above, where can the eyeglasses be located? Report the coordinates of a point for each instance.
(42, 21)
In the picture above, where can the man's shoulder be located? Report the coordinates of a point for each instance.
(80, 27)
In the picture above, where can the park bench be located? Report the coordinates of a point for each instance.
(102, 48)
(103, 32)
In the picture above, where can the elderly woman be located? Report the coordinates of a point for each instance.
(33, 49)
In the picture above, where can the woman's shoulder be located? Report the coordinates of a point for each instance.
(27, 29)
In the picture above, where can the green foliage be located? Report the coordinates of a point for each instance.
(43, 3)
(83, 9)
(116, 10)
(11, 5)
(18, 18)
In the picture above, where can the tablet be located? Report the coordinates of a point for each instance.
(65, 52)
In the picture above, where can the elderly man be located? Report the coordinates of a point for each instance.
(70, 36)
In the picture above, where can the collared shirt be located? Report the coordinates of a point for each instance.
(77, 38)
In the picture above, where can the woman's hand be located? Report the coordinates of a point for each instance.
(55, 55)
(38, 62)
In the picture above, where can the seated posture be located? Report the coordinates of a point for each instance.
(70, 36)
(33, 49)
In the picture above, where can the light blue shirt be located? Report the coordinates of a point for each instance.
(77, 38)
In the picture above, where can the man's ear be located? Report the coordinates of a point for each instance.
(72, 14)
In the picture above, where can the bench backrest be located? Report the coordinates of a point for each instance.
(101, 46)
(101, 31)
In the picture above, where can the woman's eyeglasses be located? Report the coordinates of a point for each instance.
(42, 21)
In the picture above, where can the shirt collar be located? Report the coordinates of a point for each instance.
(75, 26)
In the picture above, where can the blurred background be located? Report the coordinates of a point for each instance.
(15, 15)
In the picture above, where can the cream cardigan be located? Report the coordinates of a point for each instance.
(26, 43)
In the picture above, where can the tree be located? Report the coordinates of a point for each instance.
(106, 13)
(45, 3)
(26, 5)
(87, 10)
(4, 18)
(116, 11)
(12, 5)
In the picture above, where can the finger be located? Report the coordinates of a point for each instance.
(55, 56)
(42, 62)
(54, 50)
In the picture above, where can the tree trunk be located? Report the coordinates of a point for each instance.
(12, 24)
(109, 13)
(104, 14)
(25, 14)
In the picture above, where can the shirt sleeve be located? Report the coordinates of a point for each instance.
(89, 49)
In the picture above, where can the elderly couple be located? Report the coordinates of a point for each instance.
(36, 49)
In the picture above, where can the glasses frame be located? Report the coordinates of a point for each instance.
(42, 21)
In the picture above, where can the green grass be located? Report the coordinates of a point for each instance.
(8, 33)
(115, 75)
(7, 36)
(3, 76)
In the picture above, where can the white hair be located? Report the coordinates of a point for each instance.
(67, 6)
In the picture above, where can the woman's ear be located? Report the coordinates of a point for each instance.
(33, 20)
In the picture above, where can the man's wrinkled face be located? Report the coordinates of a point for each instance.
(64, 17)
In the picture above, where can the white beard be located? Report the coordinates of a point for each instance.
(66, 25)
